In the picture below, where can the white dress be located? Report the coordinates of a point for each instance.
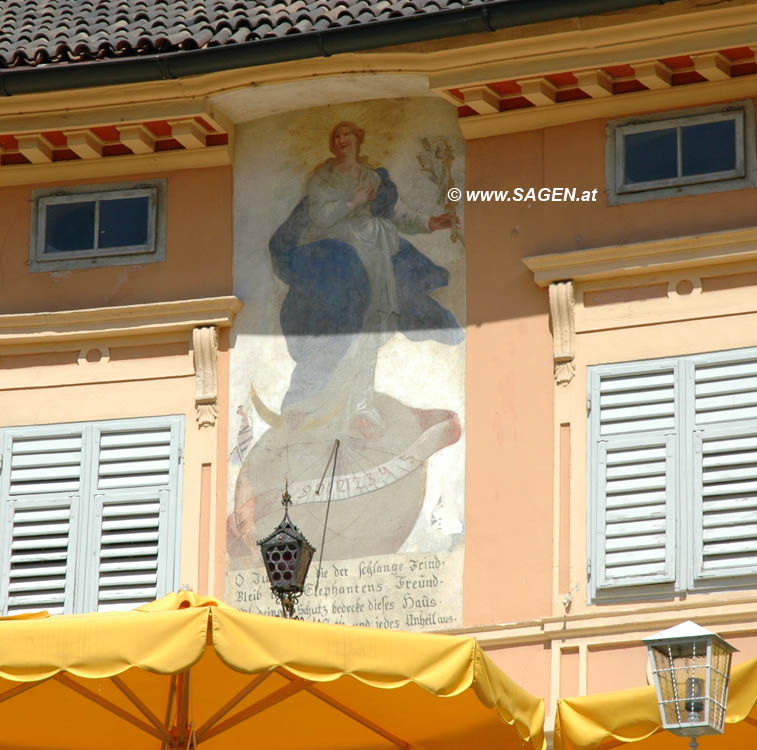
(332, 215)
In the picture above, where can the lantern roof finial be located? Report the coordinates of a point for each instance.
(684, 631)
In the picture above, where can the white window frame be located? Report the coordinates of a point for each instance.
(685, 525)
(153, 251)
(86, 504)
(743, 175)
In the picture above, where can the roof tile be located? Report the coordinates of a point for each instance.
(43, 31)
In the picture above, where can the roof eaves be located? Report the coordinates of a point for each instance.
(409, 29)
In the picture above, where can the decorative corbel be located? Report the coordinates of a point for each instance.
(205, 345)
(562, 308)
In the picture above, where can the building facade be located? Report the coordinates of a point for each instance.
(524, 410)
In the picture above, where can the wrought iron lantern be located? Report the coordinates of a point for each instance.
(286, 555)
(691, 668)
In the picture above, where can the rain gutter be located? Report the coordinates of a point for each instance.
(407, 30)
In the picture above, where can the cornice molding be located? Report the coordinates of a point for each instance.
(117, 321)
(102, 142)
(599, 41)
(118, 113)
(617, 105)
(524, 52)
(128, 164)
(645, 258)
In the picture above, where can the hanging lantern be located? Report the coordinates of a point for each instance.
(286, 555)
(691, 668)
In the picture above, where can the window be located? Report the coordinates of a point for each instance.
(98, 225)
(89, 514)
(693, 152)
(673, 475)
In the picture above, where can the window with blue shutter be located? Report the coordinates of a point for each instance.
(89, 515)
(672, 461)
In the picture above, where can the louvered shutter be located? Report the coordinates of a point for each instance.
(633, 475)
(725, 467)
(635, 519)
(135, 518)
(39, 537)
(40, 494)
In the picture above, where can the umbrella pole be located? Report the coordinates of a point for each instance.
(106, 704)
(169, 707)
(243, 693)
(149, 715)
(22, 688)
(359, 718)
(295, 686)
(182, 704)
(347, 711)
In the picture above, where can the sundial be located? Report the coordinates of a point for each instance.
(378, 485)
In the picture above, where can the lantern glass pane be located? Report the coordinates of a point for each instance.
(306, 555)
(682, 678)
(717, 708)
(288, 563)
(721, 664)
(280, 556)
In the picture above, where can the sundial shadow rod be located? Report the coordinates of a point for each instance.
(334, 454)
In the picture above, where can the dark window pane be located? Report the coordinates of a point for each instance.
(709, 147)
(69, 227)
(651, 155)
(123, 222)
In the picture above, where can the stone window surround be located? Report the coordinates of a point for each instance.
(154, 252)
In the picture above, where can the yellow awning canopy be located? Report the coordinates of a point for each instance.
(608, 720)
(187, 670)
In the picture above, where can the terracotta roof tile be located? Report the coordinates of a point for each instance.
(43, 31)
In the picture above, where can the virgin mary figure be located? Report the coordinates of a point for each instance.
(350, 272)
(354, 281)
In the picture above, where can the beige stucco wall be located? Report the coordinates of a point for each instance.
(198, 250)
(525, 466)
(508, 393)
(574, 156)
(526, 488)
(48, 380)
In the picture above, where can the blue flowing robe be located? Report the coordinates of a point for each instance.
(330, 292)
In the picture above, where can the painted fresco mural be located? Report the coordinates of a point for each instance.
(348, 360)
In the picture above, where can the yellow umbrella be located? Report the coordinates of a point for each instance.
(187, 671)
(608, 720)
